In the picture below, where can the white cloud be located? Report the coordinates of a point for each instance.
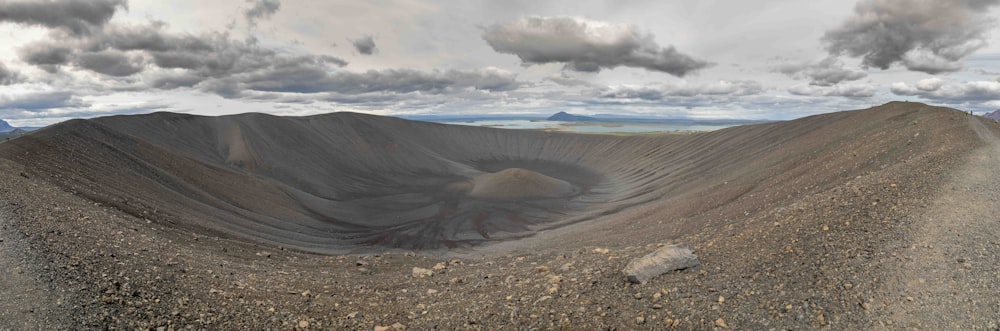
(951, 92)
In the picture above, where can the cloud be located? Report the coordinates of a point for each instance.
(262, 9)
(587, 46)
(987, 72)
(841, 90)
(215, 63)
(364, 45)
(952, 92)
(929, 36)
(294, 79)
(828, 72)
(38, 101)
(78, 17)
(212, 62)
(7, 76)
(565, 80)
(45, 55)
(111, 63)
(720, 88)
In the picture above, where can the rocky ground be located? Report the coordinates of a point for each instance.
(910, 244)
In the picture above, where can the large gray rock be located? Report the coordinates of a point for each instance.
(663, 260)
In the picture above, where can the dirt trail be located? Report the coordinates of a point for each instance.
(950, 274)
(27, 304)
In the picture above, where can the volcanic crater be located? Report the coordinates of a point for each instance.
(347, 182)
(882, 217)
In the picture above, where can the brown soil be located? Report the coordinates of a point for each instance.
(824, 222)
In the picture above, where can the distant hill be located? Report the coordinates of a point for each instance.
(5, 127)
(995, 115)
(13, 133)
(567, 117)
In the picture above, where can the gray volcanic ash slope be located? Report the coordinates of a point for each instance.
(351, 182)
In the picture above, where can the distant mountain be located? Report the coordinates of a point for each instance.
(5, 127)
(13, 133)
(567, 117)
(995, 115)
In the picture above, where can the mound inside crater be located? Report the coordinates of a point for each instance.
(517, 184)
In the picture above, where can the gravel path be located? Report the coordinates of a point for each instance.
(950, 275)
(27, 303)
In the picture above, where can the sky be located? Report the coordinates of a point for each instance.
(766, 59)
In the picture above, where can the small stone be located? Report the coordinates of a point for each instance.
(722, 299)
(432, 291)
(382, 328)
(306, 293)
(657, 306)
(354, 315)
(439, 266)
(909, 298)
(398, 326)
(555, 279)
(848, 286)
(826, 228)
(419, 272)
(601, 250)
(721, 323)
(542, 269)
(640, 320)
(303, 324)
(961, 260)
(657, 296)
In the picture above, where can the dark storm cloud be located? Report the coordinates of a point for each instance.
(827, 72)
(841, 90)
(78, 17)
(262, 9)
(364, 45)
(718, 89)
(940, 90)
(111, 63)
(929, 36)
(40, 101)
(7, 76)
(587, 46)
